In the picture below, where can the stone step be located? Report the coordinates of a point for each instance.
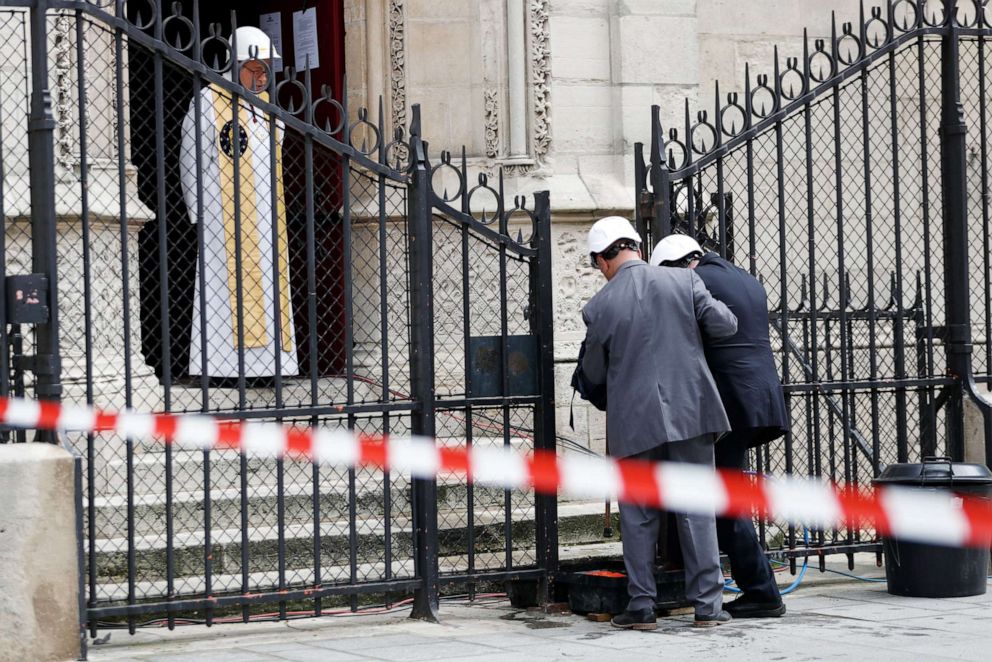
(149, 510)
(579, 522)
(148, 468)
(195, 585)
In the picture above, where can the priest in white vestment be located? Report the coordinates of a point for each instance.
(239, 232)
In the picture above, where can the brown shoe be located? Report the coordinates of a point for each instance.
(712, 621)
(638, 619)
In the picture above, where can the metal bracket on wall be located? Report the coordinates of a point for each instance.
(27, 300)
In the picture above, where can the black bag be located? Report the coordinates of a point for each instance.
(594, 393)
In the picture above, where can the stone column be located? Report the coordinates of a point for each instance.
(516, 48)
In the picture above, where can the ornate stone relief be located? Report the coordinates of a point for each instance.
(62, 101)
(576, 283)
(540, 52)
(491, 105)
(397, 63)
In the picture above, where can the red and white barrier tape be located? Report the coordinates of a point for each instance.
(909, 514)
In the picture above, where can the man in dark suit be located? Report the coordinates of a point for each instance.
(745, 374)
(644, 342)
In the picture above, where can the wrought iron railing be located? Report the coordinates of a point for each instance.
(844, 179)
(382, 285)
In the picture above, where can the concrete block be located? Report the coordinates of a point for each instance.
(443, 9)
(635, 108)
(580, 48)
(579, 115)
(434, 109)
(758, 17)
(580, 7)
(815, 14)
(657, 50)
(657, 7)
(671, 99)
(597, 430)
(974, 430)
(602, 176)
(439, 53)
(718, 62)
(465, 125)
(39, 607)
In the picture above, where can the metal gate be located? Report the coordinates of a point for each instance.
(405, 297)
(853, 181)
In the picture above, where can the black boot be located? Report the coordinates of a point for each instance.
(637, 619)
(745, 607)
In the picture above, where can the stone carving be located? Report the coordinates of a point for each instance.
(540, 52)
(397, 63)
(576, 281)
(491, 106)
(62, 102)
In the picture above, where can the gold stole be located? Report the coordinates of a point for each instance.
(252, 288)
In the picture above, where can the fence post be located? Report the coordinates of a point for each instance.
(954, 180)
(661, 211)
(41, 163)
(421, 249)
(542, 324)
(642, 196)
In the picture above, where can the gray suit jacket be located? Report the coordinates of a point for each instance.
(644, 340)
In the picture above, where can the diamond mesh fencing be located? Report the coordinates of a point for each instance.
(166, 524)
(482, 291)
(281, 294)
(836, 208)
(15, 201)
(248, 256)
(975, 91)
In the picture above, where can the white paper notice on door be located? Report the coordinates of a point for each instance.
(305, 38)
(271, 24)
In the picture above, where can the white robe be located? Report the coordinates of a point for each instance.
(219, 336)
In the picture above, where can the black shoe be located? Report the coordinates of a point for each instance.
(712, 621)
(743, 607)
(638, 619)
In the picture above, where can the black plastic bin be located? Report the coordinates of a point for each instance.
(936, 571)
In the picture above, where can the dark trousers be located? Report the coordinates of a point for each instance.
(737, 538)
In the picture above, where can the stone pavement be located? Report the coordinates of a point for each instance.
(851, 619)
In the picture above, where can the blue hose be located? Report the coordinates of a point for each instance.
(729, 587)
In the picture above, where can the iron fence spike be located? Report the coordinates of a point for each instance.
(717, 115)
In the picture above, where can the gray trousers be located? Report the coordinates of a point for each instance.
(697, 536)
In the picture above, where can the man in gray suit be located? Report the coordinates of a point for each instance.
(644, 340)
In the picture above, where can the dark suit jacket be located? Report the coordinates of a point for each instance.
(742, 365)
(644, 340)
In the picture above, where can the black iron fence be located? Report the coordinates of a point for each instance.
(219, 236)
(853, 181)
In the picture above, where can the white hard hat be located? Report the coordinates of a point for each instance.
(249, 38)
(673, 248)
(606, 231)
